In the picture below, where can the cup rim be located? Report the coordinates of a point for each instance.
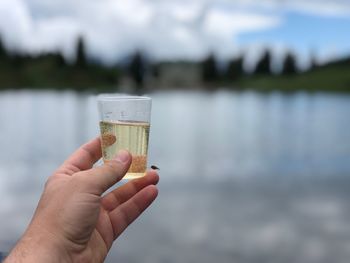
(120, 97)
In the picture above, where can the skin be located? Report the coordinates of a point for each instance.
(73, 221)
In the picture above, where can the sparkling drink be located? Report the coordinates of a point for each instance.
(130, 135)
(125, 124)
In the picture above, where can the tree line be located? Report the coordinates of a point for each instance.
(53, 70)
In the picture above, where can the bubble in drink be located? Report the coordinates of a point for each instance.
(132, 136)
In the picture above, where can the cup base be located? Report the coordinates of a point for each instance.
(130, 176)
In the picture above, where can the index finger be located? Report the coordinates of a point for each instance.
(85, 157)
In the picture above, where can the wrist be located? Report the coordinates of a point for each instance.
(38, 248)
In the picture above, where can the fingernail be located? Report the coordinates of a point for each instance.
(122, 156)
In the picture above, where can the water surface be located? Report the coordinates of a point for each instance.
(245, 177)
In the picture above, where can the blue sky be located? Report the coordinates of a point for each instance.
(178, 29)
(306, 33)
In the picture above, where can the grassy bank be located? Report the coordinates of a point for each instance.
(332, 78)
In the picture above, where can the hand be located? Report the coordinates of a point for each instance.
(72, 222)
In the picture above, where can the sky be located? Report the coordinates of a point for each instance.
(179, 29)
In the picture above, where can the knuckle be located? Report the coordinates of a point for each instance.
(112, 166)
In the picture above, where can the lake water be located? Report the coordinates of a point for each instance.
(245, 177)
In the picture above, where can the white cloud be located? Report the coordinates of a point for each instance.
(168, 29)
(337, 8)
(15, 22)
(21, 32)
(220, 22)
(58, 33)
(164, 28)
(185, 12)
(322, 7)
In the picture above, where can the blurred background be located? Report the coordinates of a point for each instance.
(250, 120)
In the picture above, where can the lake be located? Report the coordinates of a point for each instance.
(245, 176)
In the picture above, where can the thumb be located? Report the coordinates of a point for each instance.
(99, 179)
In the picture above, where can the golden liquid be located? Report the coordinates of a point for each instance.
(132, 136)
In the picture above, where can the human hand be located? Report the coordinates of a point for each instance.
(72, 222)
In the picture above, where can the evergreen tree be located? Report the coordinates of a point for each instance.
(137, 68)
(60, 60)
(209, 69)
(289, 65)
(264, 64)
(155, 70)
(234, 69)
(3, 52)
(313, 62)
(81, 60)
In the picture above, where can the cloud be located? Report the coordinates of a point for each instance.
(220, 22)
(326, 8)
(165, 29)
(21, 32)
(14, 21)
(333, 8)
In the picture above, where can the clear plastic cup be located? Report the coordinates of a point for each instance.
(125, 124)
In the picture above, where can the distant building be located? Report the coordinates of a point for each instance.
(178, 75)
